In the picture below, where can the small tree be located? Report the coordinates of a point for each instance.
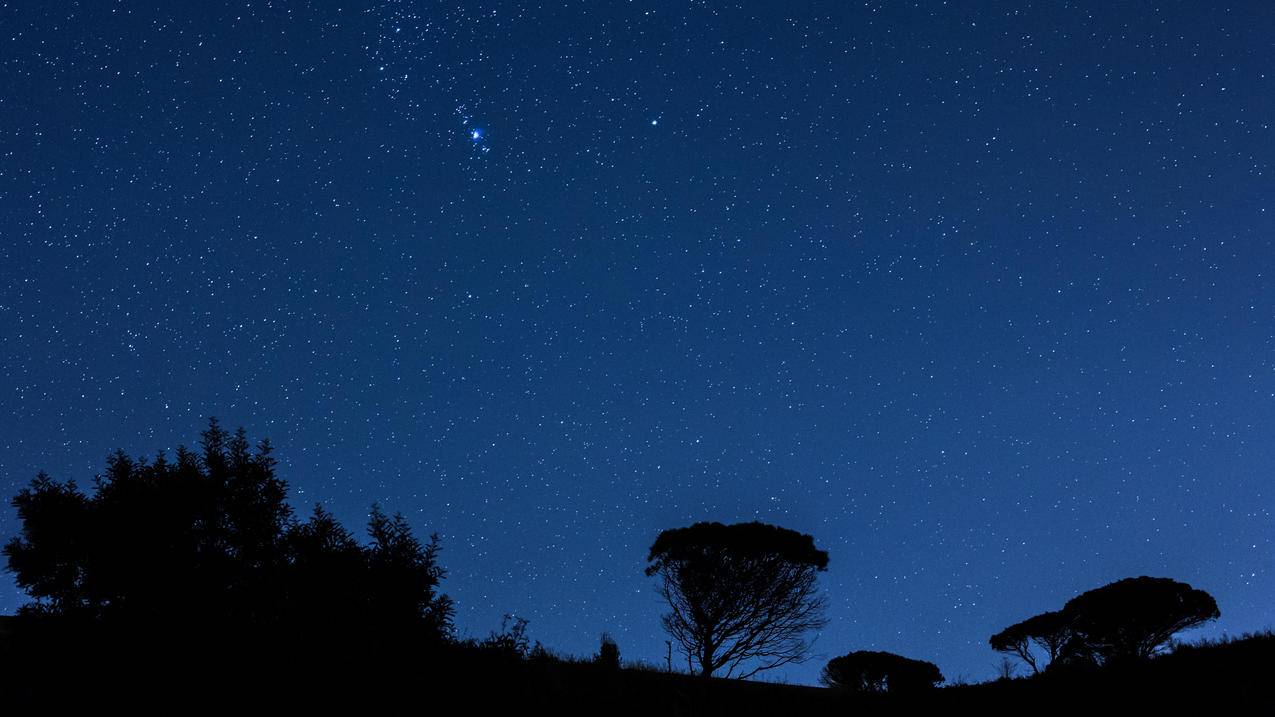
(1050, 632)
(741, 597)
(869, 671)
(608, 653)
(46, 559)
(403, 575)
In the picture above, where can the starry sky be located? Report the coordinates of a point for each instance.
(981, 295)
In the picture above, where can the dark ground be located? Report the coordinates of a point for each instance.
(51, 671)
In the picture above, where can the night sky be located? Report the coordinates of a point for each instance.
(981, 295)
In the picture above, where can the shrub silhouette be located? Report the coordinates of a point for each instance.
(738, 593)
(869, 671)
(511, 641)
(208, 543)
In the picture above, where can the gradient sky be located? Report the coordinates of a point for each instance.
(981, 295)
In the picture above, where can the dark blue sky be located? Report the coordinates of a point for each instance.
(980, 295)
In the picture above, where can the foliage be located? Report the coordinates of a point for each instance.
(212, 535)
(1130, 619)
(609, 653)
(869, 671)
(512, 640)
(742, 596)
(402, 576)
(1050, 631)
(1135, 618)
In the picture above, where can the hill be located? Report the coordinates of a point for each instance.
(243, 671)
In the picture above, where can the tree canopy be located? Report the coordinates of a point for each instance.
(1136, 617)
(209, 539)
(1129, 619)
(741, 597)
(1050, 631)
(869, 671)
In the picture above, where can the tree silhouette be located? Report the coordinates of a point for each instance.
(46, 559)
(209, 543)
(608, 653)
(327, 577)
(1135, 618)
(1126, 620)
(1050, 631)
(402, 577)
(868, 671)
(742, 596)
